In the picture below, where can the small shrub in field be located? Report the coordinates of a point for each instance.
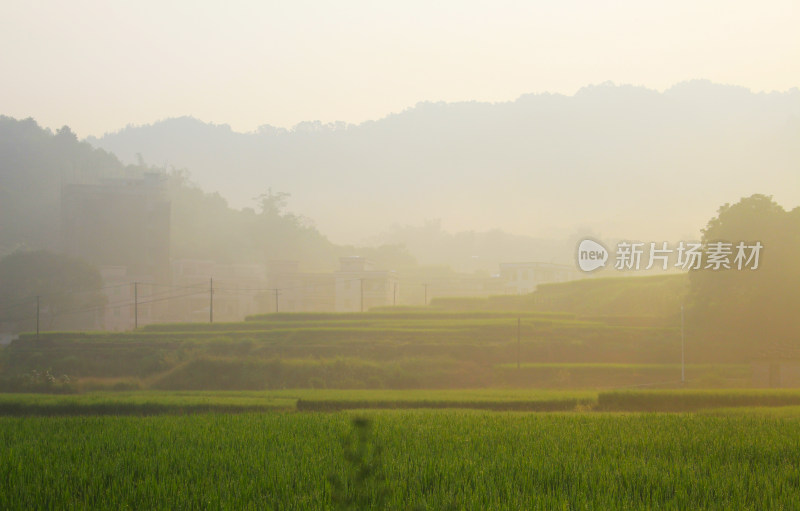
(361, 487)
(36, 380)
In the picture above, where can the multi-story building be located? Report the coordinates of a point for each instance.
(119, 222)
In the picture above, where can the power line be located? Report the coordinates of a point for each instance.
(172, 297)
(18, 304)
(42, 296)
(167, 293)
(128, 303)
(289, 288)
(32, 298)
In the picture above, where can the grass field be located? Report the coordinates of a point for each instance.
(413, 459)
(192, 402)
(402, 409)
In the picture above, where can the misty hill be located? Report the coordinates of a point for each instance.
(620, 161)
(35, 164)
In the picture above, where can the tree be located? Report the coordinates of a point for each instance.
(34, 163)
(750, 312)
(69, 291)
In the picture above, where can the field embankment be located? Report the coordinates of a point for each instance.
(501, 400)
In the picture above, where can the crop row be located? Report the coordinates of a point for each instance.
(427, 315)
(439, 331)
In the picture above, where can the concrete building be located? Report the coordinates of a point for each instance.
(523, 278)
(119, 222)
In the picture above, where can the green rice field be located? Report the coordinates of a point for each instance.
(401, 459)
(407, 411)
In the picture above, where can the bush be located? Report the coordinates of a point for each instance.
(42, 381)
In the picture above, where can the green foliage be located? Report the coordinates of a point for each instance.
(216, 373)
(604, 375)
(141, 403)
(693, 400)
(34, 163)
(36, 380)
(363, 485)
(657, 296)
(182, 402)
(337, 358)
(546, 404)
(371, 350)
(753, 312)
(203, 225)
(402, 314)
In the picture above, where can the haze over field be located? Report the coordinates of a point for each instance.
(448, 141)
(229, 229)
(477, 116)
(614, 161)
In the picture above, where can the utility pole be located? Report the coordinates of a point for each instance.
(135, 305)
(394, 295)
(361, 281)
(37, 317)
(211, 301)
(518, 322)
(426, 294)
(276, 300)
(683, 366)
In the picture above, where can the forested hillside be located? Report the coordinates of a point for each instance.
(35, 164)
(610, 158)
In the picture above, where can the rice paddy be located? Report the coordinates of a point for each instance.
(443, 459)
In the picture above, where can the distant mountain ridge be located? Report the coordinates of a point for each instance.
(35, 165)
(620, 161)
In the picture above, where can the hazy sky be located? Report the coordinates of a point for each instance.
(98, 66)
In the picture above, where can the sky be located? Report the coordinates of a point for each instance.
(99, 66)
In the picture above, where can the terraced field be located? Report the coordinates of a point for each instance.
(399, 350)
